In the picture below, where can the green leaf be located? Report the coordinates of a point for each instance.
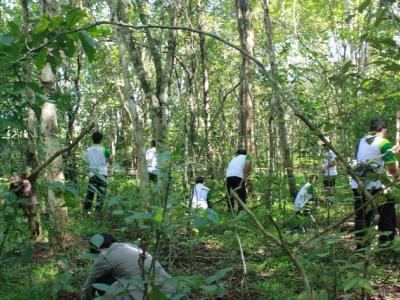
(41, 27)
(199, 223)
(157, 294)
(212, 215)
(393, 67)
(26, 257)
(11, 197)
(97, 240)
(88, 44)
(6, 40)
(69, 47)
(41, 58)
(103, 287)
(159, 215)
(118, 212)
(74, 16)
(364, 5)
(217, 276)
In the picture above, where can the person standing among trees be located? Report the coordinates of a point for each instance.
(375, 150)
(151, 158)
(97, 157)
(237, 175)
(329, 170)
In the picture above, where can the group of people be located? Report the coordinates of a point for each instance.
(374, 155)
(119, 264)
(98, 157)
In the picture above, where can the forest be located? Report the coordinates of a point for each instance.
(198, 149)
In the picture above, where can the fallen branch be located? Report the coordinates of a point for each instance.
(35, 173)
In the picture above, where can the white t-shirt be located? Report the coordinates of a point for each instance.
(303, 196)
(329, 157)
(236, 166)
(151, 158)
(372, 152)
(199, 196)
(96, 157)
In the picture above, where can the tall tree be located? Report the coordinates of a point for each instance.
(277, 101)
(157, 92)
(246, 35)
(58, 214)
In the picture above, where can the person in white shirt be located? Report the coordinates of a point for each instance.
(97, 157)
(306, 194)
(329, 170)
(200, 195)
(375, 150)
(151, 158)
(237, 174)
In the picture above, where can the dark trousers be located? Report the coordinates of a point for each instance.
(329, 183)
(153, 177)
(106, 279)
(97, 186)
(231, 184)
(364, 217)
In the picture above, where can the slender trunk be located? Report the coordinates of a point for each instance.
(130, 106)
(246, 35)
(157, 95)
(58, 214)
(282, 131)
(398, 130)
(206, 95)
(32, 119)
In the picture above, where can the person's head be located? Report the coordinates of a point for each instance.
(153, 143)
(241, 151)
(101, 241)
(313, 179)
(378, 124)
(200, 180)
(97, 137)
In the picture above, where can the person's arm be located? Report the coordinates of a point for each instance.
(100, 268)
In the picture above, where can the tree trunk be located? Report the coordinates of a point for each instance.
(58, 215)
(246, 35)
(130, 107)
(157, 95)
(206, 95)
(32, 120)
(277, 101)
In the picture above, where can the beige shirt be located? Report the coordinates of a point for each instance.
(122, 261)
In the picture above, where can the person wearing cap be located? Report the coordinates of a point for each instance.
(329, 169)
(200, 195)
(124, 267)
(237, 174)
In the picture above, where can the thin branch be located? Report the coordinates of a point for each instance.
(37, 170)
(278, 243)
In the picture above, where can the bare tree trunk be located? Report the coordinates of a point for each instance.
(282, 131)
(206, 94)
(32, 120)
(130, 107)
(58, 214)
(158, 95)
(246, 34)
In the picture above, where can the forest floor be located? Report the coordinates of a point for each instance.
(199, 254)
